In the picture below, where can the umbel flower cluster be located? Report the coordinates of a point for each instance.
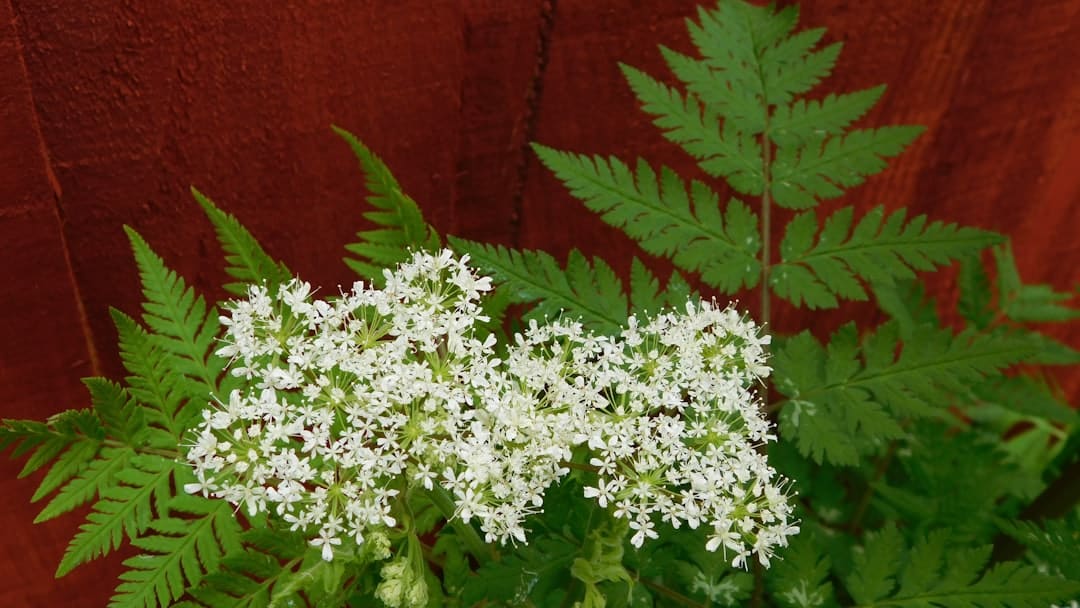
(348, 404)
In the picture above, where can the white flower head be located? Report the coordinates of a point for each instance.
(346, 403)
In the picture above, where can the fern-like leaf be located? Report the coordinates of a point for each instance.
(1026, 302)
(96, 477)
(800, 579)
(45, 440)
(248, 577)
(878, 249)
(246, 260)
(665, 218)
(840, 425)
(178, 317)
(152, 380)
(803, 175)
(975, 303)
(188, 543)
(1054, 544)
(119, 412)
(933, 575)
(836, 395)
(589, 291)
(722, 151)
(952, 479)
(401, 225)
(125, 508)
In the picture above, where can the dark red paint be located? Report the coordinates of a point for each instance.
(110, 110)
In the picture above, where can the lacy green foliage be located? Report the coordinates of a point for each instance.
(179, 318)
(801, 578)
(125, 508)
(747, 84)
(401, 226)
(187, 543)
(590, 291)
(665, 219)
(877, 249)
(845, 398)
(934, 573)
(953, 479)
(249, 575)
(986, 309)
(1054, 545)
(70, 440)
(244, 257)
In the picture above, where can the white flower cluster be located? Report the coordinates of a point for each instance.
(672, 425)
(348, 403)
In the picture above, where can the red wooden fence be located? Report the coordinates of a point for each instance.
(109, 110)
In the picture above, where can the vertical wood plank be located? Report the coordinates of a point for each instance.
(43, 345)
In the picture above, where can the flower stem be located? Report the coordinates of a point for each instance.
(442, 500)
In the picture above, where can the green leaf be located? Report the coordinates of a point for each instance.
(91, 481)
(80, 432)
(804, 121)
(721, 151)
(591, 292)
(878, 249)
(952, 479)
(975, 302)
(118, 410)
(188, 543)
(1026, 396)
(248, 576)
(803, 175)
(125, 508)
(841, 426)
(716, 89)
(800, 578)
(935, 575)
(179, 319)
(170, 400)
(246, 260)
(1029, 303)
(1053, 544)
(845, 400)
(401, 224)
(665, 218)
(791, 67)
(67, 465)
(907, 304)
(530, 571)
(876, 564)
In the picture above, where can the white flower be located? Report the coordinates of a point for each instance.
(347, 402)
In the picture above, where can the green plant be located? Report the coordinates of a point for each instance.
(922, 457)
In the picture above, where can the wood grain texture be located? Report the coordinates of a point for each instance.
(44, 345)
(136, 101)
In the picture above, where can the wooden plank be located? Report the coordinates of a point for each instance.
(140, 100)
(43, 346)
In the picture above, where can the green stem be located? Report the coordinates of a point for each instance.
(482, 551)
